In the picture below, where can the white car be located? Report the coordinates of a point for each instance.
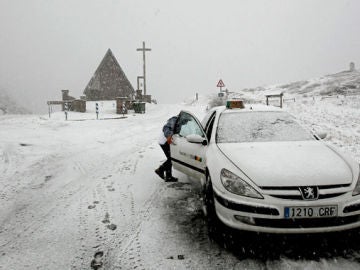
(262, 171)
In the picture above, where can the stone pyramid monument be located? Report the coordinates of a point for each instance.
(109, 81)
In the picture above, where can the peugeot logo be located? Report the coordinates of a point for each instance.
(309, 193)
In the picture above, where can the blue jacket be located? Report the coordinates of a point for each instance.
(169, 127)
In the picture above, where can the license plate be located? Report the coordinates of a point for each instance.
(311, 212)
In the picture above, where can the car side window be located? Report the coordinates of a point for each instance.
(187, 125)
(206, 119)
(209, 126)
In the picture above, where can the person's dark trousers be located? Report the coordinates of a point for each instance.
(166, 166)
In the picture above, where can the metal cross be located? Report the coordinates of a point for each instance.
(143, 49)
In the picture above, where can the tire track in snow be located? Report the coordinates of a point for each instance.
(7, 161)
(47, 207)
(127, 196)
(35, 224)
(82, 234)
(20, 182)
(121, 252)
(105, 237)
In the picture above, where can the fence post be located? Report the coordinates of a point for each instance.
(66, 108)
(97, 110)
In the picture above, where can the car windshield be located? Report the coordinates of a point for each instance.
(259, 127)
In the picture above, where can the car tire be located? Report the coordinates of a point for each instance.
(208, 198)
(217, 230)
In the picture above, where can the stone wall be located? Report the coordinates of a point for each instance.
(78, 105)
(122, 104)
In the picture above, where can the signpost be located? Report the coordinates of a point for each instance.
(220, 84)
(51, 102)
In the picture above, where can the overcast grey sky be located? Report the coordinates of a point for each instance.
(49, 45)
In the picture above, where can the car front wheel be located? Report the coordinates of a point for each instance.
(217, 230)
(215, 226)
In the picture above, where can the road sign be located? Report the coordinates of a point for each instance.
(220, 83)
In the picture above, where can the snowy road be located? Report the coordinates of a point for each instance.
(71, 189)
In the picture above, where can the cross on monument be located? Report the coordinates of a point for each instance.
(143, 49)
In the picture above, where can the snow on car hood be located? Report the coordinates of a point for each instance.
(302, 163)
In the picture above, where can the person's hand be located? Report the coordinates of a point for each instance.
(169, 139)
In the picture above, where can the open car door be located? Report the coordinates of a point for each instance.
(188, 146)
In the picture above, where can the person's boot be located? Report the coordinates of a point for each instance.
(170, 178)
(160, 172)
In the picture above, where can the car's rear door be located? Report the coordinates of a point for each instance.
(188, 157)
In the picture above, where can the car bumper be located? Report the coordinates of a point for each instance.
(269, 217)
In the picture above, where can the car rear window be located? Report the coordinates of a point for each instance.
(259, 127)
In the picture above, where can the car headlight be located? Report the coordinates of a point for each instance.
(357, 187)
(236, 185)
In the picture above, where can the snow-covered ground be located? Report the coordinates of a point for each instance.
(338, 116)
(70, 189)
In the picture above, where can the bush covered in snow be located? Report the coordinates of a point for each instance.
(9, 106)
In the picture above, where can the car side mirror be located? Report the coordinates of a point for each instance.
(322, 135)
(195, 138)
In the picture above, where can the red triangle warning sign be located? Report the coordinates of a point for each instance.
(220, 84)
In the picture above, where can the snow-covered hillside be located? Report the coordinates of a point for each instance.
(342, 83)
